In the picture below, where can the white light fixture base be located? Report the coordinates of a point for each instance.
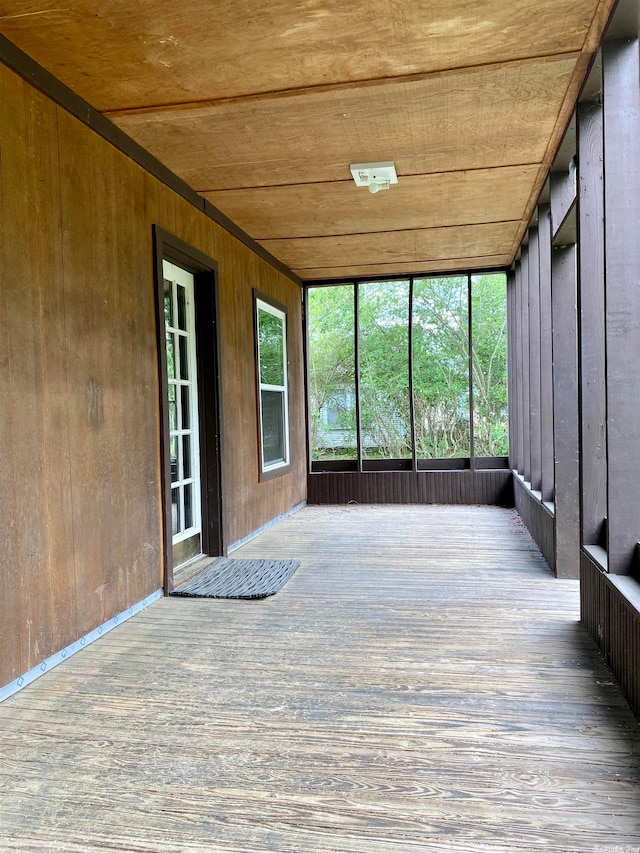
(376, 176)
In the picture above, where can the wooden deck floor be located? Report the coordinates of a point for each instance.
(421, 684)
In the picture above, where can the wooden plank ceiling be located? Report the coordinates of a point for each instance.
(262, 105)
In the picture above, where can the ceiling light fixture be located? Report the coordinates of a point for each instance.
(376, 176)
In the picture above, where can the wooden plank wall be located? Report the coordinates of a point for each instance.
(80, 483)
(537, 518)
(491, 487)
(614, 624)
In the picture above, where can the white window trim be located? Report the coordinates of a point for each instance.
(268, 468)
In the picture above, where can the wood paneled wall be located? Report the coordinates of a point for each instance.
(490, 487)
(80, 503)
(538, 519)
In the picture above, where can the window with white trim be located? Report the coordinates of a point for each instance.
(273, 403)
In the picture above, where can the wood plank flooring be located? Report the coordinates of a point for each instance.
(422, 684)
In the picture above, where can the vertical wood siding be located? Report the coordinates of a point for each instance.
(81, 517)
(614, 625)
(537, 519)
(491, 488)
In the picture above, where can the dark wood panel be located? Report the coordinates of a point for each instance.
(538, 520)
(136, 362)
(511, 386)
(10, 664)
(547, 474)
(613, 623)
(565, 410)
(518, 369)
(489, 487)
(621, 72)
(41, 546)
(593, 434)
(563, 196)
(534, 361)
(525, 370)
(89, 214)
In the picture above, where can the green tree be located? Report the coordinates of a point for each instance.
(440, 368)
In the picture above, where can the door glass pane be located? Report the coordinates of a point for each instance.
(173, 422)
(175, 511)
(185, 410)
(441, 367)
(175, 462)
(182, 308)
(188, 506)
(168, 303)
(184, 357)
(489, 321)
(273, 447)
(384, 369)
(332, 372)
(171, 358)
(186, 456)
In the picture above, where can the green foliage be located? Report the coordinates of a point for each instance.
(271, 344)
(440, 376)
(491, 417)
(332, 370)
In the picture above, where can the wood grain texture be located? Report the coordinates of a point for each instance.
(450, 265)
(288, 96)
(547, 482)
(34, 385)
(416, 202)
(491, 488)
(537, 518)
(421, 248)
(563, 196)
(313, 137)
(421, 684)
(592, 321)
(82, 512)
(565, 411)
(154, 51)
(621, 123)
(524, 374)
(518, 403)
(534, 360)
(614, 625)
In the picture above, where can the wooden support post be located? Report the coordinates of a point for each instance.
(524, 369)
(591, 300)
(546, 363)
(518, 368)
(563, 194)
(565, 411)
(621, 94)
(534, 362)
(511, 375)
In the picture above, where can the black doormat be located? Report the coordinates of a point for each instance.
(229, 578)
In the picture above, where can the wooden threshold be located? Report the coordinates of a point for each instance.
(421, 684)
